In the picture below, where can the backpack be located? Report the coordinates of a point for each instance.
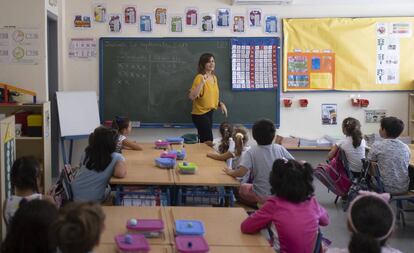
(334, 175)
(61, 191)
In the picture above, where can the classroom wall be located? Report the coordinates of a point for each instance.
(33, 14)
(306, 122)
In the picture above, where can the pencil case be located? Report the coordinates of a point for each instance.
(147, 227)
(175, 140)
(189, 227)
(160, 144)
(169, 154)
(132, 243)
(165, 163)
(187, 168)
(191, 244)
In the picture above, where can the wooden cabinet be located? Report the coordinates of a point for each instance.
(39, 147)
(411, 116)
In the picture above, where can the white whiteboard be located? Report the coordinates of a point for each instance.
(78, 112)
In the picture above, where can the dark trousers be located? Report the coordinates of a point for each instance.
(204, 125)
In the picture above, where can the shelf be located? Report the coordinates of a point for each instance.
(28, 138)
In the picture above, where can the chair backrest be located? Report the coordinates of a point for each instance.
(411, 176)
(61, 191)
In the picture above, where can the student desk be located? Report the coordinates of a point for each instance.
(117, 217)
(222, 226)
(141, 169)
(111, 248)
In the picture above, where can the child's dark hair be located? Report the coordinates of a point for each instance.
(204, 58)
(292, 180)
(352, 127)
(393, 126)
(29, 229)
(102, 143)
(79, 227)
(372, 222)
(240, 137)
(120, 123)
(264, 131)
(226, 131)
(24, 173)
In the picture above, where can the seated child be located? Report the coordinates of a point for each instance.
(124, 127)
(98, 164)
(371, 222)
(353, 146)
(79, 227)
(29, 229)
(25, 180)
(259, 160)
(293, 210)
(221, 144)
(237, 146)
(392, 156)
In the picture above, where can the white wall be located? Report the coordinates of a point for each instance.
(306, 122)
(27, 14)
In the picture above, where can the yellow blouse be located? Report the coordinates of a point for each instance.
(208, 98)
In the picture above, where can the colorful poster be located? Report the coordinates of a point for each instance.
(99, 12)
(115, 24)
(255, 17)
(311, 70)
(145, 23)
(176, 24)
(191, 16)
(238, 24)
(82, 21)
(223, 17)
(207, 23)
(271, 24)
(254, 64)
(329, 114)
(82, 48)
(161, 16)
(374, 116)
(130, 14)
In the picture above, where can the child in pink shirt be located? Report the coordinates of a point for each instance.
(293, 209)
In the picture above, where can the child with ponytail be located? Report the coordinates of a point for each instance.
(124, 127)
(371, 221)
(353, 146)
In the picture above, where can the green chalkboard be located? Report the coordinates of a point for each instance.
(147, 80)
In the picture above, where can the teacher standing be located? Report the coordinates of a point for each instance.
(205, 96)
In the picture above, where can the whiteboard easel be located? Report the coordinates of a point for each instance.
(78, 116)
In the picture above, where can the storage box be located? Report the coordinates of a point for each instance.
(21, 118)
(132, 243)
(34, 125)
(189, 227)
(175, 140)
(160, 144)
(147, 227)
(187, 167)
(165, 163)
(191, 244)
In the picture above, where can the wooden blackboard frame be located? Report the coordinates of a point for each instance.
(102, 40)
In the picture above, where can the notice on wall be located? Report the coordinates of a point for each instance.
(374, 116)
(19, 45)
(329, 114)
(82, 48)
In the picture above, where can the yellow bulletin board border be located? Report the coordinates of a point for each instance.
(342, 54)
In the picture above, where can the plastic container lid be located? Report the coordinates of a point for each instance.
(175, 140)
(165, 162)
(162, 143)
(191, 244)
(132, 243)
(189, 227)
(147, 225)
(169, 154)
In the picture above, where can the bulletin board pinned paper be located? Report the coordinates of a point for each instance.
(362, 54)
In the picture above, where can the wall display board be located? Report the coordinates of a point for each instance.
(362, 54)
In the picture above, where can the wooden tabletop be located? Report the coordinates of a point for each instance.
(222, 225)
(111, 248)
(117, 217)
(142, 170)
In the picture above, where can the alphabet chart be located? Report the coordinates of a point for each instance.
(254, 63)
